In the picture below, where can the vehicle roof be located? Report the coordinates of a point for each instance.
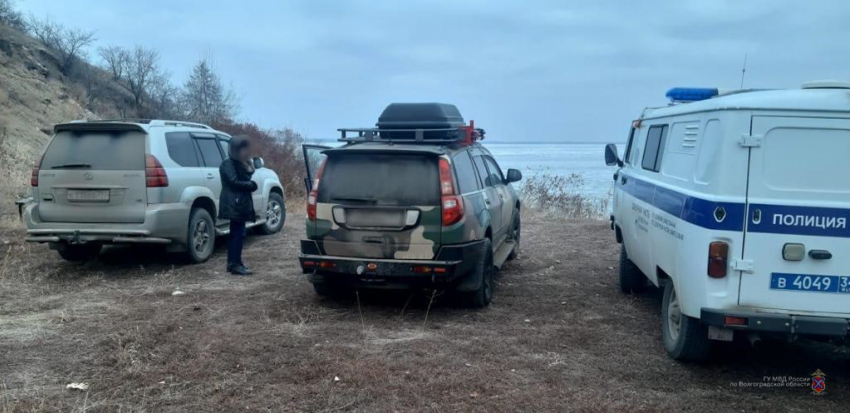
(141, 125)
(404, 148)
(806, 100)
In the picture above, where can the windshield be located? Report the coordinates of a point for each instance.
(100, 150)
(380, 179)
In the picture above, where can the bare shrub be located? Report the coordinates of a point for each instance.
(10, 16)
(561, 196)
(70, 44)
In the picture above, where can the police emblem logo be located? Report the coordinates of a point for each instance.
(818, 382)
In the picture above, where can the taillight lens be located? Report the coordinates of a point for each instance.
(35, 169)
(718, 254)
(314, 193)
(155, 175)
(451, 203)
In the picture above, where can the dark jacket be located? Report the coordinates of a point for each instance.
(236, 202)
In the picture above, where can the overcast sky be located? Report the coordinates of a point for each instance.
(547, 70)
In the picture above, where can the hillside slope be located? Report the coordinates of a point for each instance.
(35, 95)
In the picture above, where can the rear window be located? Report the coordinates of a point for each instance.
(101, 150)
(380, 179)
(181, 149)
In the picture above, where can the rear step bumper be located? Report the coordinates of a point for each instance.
(779, 323)
(86, 236)
(452, 262)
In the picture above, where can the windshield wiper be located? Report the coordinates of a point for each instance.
(71, 165)
(354, 199)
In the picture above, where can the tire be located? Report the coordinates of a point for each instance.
(275, 215)
(80, 252)
(200, 242)
(687, 339)
(482, 296)
(632, 279)
(515, 235)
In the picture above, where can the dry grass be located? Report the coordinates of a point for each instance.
(561, 197)
(558, 337)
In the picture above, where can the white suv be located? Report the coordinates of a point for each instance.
(138, 182)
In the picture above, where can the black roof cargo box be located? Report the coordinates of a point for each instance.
(419, 116)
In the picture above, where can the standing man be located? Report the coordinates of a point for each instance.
(236, 203)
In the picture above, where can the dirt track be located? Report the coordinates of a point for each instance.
(559, 336)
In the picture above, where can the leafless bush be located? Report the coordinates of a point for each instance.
(10, 16)
(562, 196)
(70, 44)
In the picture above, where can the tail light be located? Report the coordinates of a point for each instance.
(155, 175)
(35, 169)
(452, 204)
(314, 193)
(718, 253)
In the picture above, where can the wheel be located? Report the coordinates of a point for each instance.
(685, 338)
(275, 215)
(484, 270)
(632, 279)
(201, 240)
(515, 235)
(79, 252)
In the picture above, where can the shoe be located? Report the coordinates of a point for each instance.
(240, 270)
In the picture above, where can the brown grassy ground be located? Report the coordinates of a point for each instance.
(559, 336)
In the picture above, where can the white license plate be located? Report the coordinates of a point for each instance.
(88, 195)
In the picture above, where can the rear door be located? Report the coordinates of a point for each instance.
(94, 175)
(491, 196)
(211, 157)
(498, 180)
(798, 194)
(379, 205)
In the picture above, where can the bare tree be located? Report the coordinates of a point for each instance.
(70, 44)
(115, 59)
(141, 69)
(204, 97)
(163, 97)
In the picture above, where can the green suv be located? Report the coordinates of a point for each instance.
(415, 202)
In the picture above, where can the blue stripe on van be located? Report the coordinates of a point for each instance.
(694, 210)
(797, 220)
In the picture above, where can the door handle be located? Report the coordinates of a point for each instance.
(210, 176)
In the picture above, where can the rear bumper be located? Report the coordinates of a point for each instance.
(779, 323)
(163, 224)
(451, 264)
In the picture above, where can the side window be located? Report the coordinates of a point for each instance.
(225, 147)
(654, 150)
(482, 170)
(210, 151)
(495, 177)
(465, 173)
(181, 149)
(629, 145)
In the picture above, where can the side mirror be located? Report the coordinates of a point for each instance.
(514, 175)
(611, 156)
(258, 163)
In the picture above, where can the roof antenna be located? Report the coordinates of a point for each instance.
(744, 71)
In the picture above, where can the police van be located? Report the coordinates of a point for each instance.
(737, 203)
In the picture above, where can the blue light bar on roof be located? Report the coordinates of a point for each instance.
(691, 94)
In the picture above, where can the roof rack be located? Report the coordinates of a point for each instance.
(464, 134)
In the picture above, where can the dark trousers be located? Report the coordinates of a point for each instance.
(235, 242)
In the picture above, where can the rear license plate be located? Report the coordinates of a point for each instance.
(811, 283)
(88, 195)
